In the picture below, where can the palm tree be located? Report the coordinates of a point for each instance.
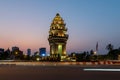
(109, 47)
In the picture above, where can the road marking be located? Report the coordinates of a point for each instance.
(101, 69)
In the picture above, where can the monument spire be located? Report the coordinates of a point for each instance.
(58, 37)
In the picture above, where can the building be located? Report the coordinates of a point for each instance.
(58, 37)
(42, 52)
(15, 48)
(1, 50)
(29, 52)
(18, 54)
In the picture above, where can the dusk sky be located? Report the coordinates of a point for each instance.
(26, 23)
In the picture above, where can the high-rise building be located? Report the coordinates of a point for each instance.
(58, 37)
(15, 48)
(17, 53)
(29, 52)
(42, 52)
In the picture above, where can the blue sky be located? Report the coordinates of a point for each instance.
(25, 23)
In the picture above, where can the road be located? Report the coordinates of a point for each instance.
(58, 72)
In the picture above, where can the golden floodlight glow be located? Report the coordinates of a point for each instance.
(59, 46)
(58, 37)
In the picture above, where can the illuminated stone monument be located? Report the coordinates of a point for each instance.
(58, 37)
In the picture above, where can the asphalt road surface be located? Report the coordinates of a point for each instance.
(57, 72)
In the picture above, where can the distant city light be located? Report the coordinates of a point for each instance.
(95, 52)
(38, 59)
(16, 53)
(43, 54)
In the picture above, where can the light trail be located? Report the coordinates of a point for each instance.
(101, 69)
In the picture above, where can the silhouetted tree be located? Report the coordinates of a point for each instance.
(91, 52)
(28, 57)
(113, 55)
(119, 48)
(58, 58)
(109, 47)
